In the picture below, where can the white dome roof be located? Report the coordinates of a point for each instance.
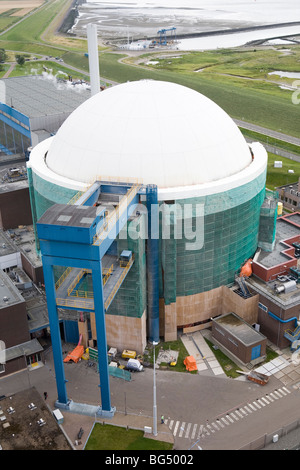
(151, 131)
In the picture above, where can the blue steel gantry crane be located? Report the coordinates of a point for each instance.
(163, 35)
(77, 236)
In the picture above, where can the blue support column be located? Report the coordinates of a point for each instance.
(106, 409)
(55, 334)
(153, 263)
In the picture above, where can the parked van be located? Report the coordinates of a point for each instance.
(134, 365)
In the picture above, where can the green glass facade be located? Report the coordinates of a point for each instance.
(229, 224)
(43, 195)
(230, 237)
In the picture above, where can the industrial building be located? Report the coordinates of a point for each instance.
(163, 219)
(159, 173)
(146, 204)
(276, 280)
(207, 177)
(15, 206)
(240, 338)
(289, 195)
(20, 348)
(33, 107)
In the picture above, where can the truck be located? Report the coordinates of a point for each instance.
(134, 365)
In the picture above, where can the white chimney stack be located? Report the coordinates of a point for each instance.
(93, 58)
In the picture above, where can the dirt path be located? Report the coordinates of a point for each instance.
(8, 72)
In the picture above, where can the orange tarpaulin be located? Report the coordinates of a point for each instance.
(246, 270)
(190, 363)
(75, 355)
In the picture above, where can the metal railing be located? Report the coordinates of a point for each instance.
(292, 334)
(120, 280)
(74, 283)
(72, 302)
(106, 273)
(78, 298)
(114, 215)
(75, 198)
(62, 277)
(72, 292)
(84, 294)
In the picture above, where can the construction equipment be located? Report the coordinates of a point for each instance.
(258, 377)
(127, 354)
(243, 287)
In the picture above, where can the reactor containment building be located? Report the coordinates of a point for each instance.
(193, 190)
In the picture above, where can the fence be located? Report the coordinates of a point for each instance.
(267, 439)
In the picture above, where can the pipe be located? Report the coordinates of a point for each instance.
(153, 263)
(283, 321)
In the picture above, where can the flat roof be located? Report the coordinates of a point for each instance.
(238, 328)
(284, 231)
(9, 293)
(30, 347)
(69, 215)
(24, 241)
(7, 247)
(9, 183)
(36, 308)
(267, 289)
(36, 95)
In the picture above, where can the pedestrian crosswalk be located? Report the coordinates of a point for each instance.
(183, 429)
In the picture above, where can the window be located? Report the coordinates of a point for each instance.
(263, 307)
(233, 342)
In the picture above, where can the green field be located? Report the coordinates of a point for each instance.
(281, 176)
(238, 80)
(255, 101)
(32, 27)
(38, 67)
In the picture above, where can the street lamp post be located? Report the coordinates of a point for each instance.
(154, 394)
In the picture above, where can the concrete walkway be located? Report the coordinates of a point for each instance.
(73, 422)
(199, 349)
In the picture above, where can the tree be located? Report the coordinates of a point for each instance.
(20, 59)
(3, 55)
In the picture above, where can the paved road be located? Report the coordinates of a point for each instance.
(207, 411)
(268, 132)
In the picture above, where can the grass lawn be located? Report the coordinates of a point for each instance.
(228, 366)
(174, 346)
(32, 27)
(280, 176)
(58, 69)
(239, 81)
(108, 437)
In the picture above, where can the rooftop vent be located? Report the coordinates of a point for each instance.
(41, 422)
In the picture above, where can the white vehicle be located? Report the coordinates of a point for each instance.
(134, 365)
